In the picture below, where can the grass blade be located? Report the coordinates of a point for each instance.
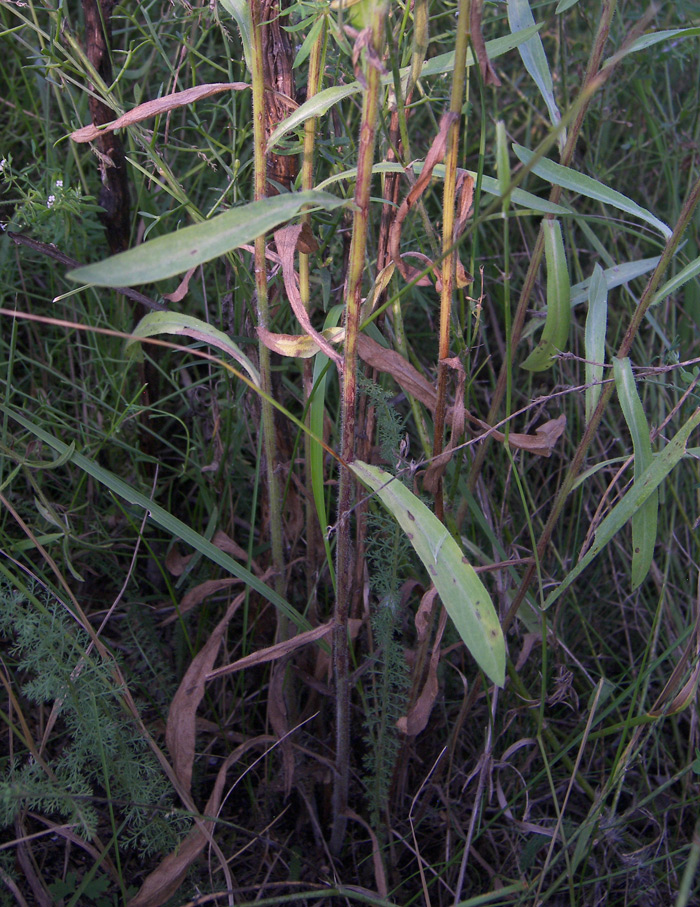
(556, 327)
(644, 521)
(643, 488)
(596, 329)
(535, 60)
(586, 185)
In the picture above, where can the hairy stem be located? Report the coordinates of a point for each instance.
(345, 562)
(260, 191)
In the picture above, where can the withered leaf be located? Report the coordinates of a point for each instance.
(159, 105)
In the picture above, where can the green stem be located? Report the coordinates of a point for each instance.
(345, 562)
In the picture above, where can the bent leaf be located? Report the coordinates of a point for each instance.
(643, 488)
(177, 252)
(174, 323)
(463, 594)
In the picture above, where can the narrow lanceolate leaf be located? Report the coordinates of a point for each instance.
(556, 327)
(161, 517)
(596, 329)
(534, 58)
(174, 323)
(502, 164)
(642, 489)
(689, 272)
(463, 594)
(177, 252)
(644, 521)
(567, 178)
(240, 10)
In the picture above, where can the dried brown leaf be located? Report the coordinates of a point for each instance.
(164, 881)
(184, 285)
(286, 242)
(417, 718)
(196, 596)
(180, 727)
(272, 653)
(176, 562)
(153, 108)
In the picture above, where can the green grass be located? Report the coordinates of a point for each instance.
(148, 539)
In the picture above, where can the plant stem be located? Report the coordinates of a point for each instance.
(268, 422)
(448, 220)
(345, 568)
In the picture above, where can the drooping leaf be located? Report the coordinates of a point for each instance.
(644, 520)
(594, 345)
(176, 252)
(567, 178)
(240, 10)
(463, 594)
(175, 323)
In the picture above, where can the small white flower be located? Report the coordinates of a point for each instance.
(59, 184)
(50, 200)
(2, 164)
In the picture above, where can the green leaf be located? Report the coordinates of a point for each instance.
(162, 518)
(644, 520)
(641, 490)
(173, 323)
(489, 185)
(502, 164)
(646, 41)
(558, 321)
(594, 345)
(240, 10)
(463, 594)
(176, 252)
(615, 277)
(535, 60)
(586, 185)
(689, 272)
(563, 5)
(437, 66)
